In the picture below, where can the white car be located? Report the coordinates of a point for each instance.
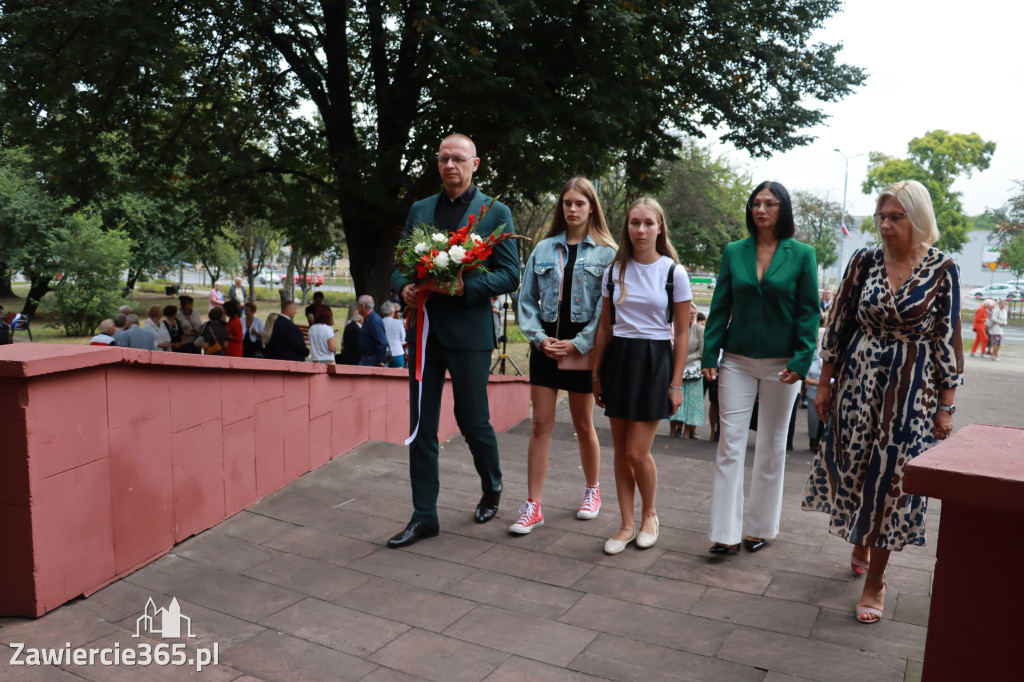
(266, 277)
(997, 292)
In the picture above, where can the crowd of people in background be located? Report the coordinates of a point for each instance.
(233, 329)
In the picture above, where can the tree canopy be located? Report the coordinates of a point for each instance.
(936, 160)
(817, 219)
(208, 91)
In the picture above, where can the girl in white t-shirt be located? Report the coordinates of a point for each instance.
(639, 357)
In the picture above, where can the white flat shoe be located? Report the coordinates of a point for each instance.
(613, 546)
(645, 540)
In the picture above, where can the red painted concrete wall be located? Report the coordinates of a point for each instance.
(977, 597)
(110, 456)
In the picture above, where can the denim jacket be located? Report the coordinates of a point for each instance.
(538, 297)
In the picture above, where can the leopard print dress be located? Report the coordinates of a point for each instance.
(893, 352)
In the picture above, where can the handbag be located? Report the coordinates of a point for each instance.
(575, 362)
(692, 371)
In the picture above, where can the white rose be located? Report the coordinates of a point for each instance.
(421, 248)
(441, 260)
(476, 238)
(438, 237)
(457, 253)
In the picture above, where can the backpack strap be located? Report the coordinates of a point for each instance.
(611, 297)
(670, 285)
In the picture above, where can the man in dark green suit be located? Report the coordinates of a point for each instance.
(460, 340)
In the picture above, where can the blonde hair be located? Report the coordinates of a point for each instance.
(268, 327)
(661, 243)
(597, 227)
(915, 200)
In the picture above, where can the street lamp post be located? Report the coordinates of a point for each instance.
(842, 215)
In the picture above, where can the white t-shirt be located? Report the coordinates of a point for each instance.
(643, 314)
(319, 335)
(395, 330)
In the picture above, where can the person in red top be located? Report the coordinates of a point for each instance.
(235, 331)
(981, 333)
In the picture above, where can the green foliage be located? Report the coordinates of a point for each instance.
(28, 214)
(547, 90)
(1009, 220)
(703, 200)
(936, 160)
(218, 256)
(1012, 254)
(91, 261)
(818, 221)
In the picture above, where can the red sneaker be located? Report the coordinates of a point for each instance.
(530, 516)
(590, 505)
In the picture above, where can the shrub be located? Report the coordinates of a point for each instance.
(91, 262)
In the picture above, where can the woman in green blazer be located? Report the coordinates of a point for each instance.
(764, 323)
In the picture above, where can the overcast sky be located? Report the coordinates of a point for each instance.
(955, 66)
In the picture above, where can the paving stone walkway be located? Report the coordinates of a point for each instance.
(301, 587)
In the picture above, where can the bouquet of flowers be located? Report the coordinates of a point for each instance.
(424, 253)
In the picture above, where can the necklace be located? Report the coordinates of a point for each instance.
(644, 267)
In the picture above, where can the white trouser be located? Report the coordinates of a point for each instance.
(740, 381)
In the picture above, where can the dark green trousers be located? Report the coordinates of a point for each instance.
(470, 371)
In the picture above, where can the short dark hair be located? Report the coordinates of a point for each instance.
(318, 294)
(701, 316)
(120, 320)
(232, 308)
(784, 226)
(170, 310)
(216, 313)
(185, 298)
(322, 314)
(285, 304)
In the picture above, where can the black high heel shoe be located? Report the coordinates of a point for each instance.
(753, 545)
(720, 549)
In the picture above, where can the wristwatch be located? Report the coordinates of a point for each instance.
(948, 408)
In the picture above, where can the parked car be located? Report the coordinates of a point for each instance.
(268, 277)
(997, 292)
(1017, 284)
(311, 278)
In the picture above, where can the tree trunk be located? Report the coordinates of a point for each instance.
(40, 287)
(129, 285)
(6, 290)
(372, 233)
(287, 291)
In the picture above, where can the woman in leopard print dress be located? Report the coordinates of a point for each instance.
(893, 346)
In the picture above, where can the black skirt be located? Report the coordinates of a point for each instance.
(544, 371)
(635, 376)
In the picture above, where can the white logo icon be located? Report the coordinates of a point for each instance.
(170, 621)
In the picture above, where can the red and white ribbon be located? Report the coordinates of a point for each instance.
(422, 330)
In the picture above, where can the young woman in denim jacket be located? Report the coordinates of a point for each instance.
(560, 320)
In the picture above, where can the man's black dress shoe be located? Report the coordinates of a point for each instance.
(416, 530)
(719, 548)
(488, 506)
(753, 545)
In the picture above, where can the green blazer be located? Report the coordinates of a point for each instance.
(465, 322)
(774, 318)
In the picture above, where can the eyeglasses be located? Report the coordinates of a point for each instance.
(443, 159)
(766, 205)
(891, 217)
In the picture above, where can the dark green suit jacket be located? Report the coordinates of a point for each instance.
(465, 322)
(774, 318)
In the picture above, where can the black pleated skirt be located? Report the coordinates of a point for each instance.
(635, 376)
